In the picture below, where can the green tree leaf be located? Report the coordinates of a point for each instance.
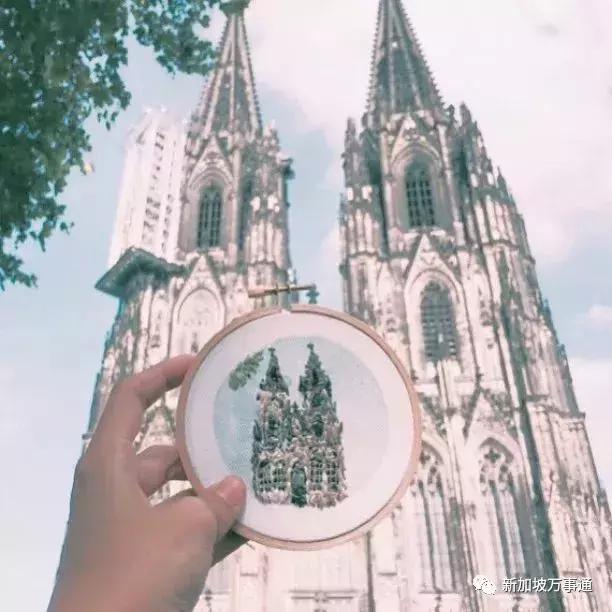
(60, 63)
(244, 371)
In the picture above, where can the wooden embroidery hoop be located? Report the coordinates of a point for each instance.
(394, 500)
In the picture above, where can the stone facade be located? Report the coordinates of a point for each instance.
(435, 257)
(147, 210)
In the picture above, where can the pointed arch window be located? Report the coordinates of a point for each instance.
(419, 197)
(432, 526)
(501, 507)
(438, 323)
(209, 222)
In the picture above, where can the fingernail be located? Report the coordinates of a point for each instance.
(232, 490)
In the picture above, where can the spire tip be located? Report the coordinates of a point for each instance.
(234, 6)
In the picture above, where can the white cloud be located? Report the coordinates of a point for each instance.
(317, 54)
(593, 384)
(537, 75)
(600, 316)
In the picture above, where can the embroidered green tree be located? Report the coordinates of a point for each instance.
(274, 381)
(245, 370)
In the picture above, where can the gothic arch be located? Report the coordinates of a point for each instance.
(212, 161)
(437, 445)
(416, 285)
(438, 322)
(421, 204)
(209, 217)
(426, 160)
(198, 316)
(437, 272)
(213, 173)
(480, 434)
(429, 510)
(210, 177)
(503, 536)
(411, 152)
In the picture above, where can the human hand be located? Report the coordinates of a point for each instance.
(120, 552)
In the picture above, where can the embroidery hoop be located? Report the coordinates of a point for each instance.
(415, 443)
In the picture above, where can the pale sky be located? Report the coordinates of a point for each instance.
(537, 75)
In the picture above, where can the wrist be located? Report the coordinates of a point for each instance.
(91, 593)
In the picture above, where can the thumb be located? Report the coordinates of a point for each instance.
(226, 499)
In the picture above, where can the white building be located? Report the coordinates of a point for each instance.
(147, 212)
(435, 257)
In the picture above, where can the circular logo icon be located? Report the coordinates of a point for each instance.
(478, 581)
(488, 587)
(482, 583)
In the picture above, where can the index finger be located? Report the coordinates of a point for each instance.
(122, 416)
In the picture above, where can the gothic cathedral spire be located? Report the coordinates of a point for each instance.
(400, 77)
(235, 189)
(435, 257)
(211, 223)
(230, 100)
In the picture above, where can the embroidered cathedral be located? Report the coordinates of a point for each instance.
(297, 451)
(435, 257)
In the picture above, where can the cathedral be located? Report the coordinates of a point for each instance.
(435, 258)
(297, 451)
